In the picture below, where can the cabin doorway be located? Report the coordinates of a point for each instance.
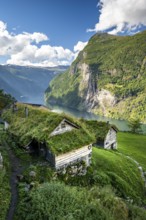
(37, 148)
(112, 146)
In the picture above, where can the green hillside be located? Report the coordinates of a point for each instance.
(108, 167)
(5, 100)
(108, 77)
(133, 145)
(111, 189)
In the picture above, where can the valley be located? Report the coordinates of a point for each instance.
(27, 84)
(73, 110)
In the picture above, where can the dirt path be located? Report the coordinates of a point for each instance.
(16, 169)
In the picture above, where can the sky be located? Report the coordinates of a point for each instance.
(52, 32)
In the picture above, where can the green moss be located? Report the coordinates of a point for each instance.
(98, 129)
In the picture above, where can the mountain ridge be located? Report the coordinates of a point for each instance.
(108, 78)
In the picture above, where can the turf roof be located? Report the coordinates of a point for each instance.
(40, 123)
(99, 129)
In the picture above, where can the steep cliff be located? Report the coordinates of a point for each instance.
(108, 77)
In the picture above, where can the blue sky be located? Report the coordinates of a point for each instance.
(52, 32)
(63, 21)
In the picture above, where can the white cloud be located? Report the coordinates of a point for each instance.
(121, 16)
(43, 56)
(79, 46)
(24, 49)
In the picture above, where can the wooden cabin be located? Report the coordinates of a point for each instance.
(110, 140)
(62, 160)
(58, 161)
(60, 139)
(104, 133)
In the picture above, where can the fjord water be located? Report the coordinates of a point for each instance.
(122, 125)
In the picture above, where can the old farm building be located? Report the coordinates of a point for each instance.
(59, 138)
(105, 135)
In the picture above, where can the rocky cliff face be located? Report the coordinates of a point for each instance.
(87, 87)
(108, 77)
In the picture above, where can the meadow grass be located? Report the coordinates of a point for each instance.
(133, 145)
(123, 173)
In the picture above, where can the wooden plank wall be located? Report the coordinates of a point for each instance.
(110, 139)
(83, 153)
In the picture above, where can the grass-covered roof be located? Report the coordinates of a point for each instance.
(40, 123)
(98, 129)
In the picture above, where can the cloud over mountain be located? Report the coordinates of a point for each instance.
(121, 16)
(80, 46)
(25, 49)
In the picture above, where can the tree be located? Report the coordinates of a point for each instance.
(134, 125)
(5, 100)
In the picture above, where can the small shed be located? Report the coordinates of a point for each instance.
(110, 140)
(105, 134)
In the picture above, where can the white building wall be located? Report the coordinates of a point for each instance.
(111, 139)
(83, 154)
(62, 128)
(6, 126)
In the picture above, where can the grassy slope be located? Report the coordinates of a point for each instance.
(5, 195)
(133, 145)
(111, 168)
(123, 174)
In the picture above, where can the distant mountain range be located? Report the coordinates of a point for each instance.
(108, 78)
(27, 83)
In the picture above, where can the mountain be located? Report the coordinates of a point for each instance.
(108, 78)
(27, 83)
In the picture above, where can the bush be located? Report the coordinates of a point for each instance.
(55, 201)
